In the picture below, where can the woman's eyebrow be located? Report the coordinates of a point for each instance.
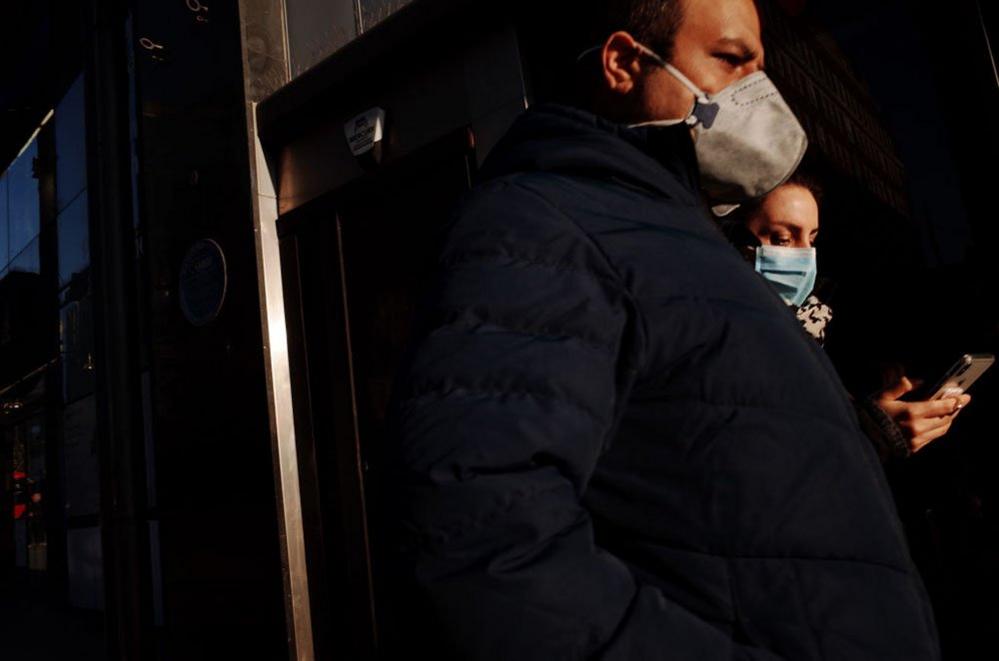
(781, 224)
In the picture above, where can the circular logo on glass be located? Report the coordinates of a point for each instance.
(202, 282)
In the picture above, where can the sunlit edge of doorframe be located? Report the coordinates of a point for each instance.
(279, 403)
(277, 370)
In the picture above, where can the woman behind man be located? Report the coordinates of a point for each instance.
(777, 233)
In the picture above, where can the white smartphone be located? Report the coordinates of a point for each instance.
(961, 375)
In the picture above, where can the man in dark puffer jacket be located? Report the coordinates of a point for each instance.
(615, 440)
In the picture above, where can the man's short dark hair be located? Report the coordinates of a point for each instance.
(553, 33)
(652, 22)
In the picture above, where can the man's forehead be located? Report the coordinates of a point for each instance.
(716, 20)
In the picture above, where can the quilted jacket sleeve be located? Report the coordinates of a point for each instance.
(885, 435)
(523, 358)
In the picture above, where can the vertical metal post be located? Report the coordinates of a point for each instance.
(124, 531)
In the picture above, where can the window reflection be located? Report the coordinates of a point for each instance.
(28, 476)
(80, 447)
(85, 569)
(22, 200)
(82, 502)
(316, 28)
(28, 260)
(374, 12)
(36, 503)
(4, 251)
(73, 239)
(76, 342)
(70, 145)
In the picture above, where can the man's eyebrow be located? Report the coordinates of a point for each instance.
(747, 52)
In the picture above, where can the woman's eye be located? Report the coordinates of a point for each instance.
(730, 58)
(781, 240)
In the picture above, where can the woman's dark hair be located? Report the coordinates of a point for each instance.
(809, 183)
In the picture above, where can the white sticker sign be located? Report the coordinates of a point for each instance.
(365, 131)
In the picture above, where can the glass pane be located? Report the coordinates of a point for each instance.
(28, 492)
(28, 260)
(85, 569)
(51, 584)
(316, 28)
(375, 11)
(34, 444)
(80, 443)
(4, 251)
(70, 145)
(73, 240)
(19, 476)
(76, 341)
(22, 199)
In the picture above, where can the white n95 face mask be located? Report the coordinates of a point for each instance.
(748, 142)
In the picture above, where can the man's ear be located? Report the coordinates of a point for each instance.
(621, 62)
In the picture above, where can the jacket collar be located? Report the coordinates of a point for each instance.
(558, 138)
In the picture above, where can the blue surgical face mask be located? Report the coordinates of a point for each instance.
(791, 271)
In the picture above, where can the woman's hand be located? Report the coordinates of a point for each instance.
(921, 422)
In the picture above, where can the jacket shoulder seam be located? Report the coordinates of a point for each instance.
(466, 256)
(517, 181)
(451, 317)
(453, 388)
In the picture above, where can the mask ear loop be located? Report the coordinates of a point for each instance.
(588, 51)
(704, 110)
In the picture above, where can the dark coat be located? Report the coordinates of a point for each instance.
(617, 442)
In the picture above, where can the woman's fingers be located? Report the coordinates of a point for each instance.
(924, 422)
(920, 442)
(926, 425)
(934, 408)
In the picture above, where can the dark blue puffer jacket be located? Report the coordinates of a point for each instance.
(616, 441)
